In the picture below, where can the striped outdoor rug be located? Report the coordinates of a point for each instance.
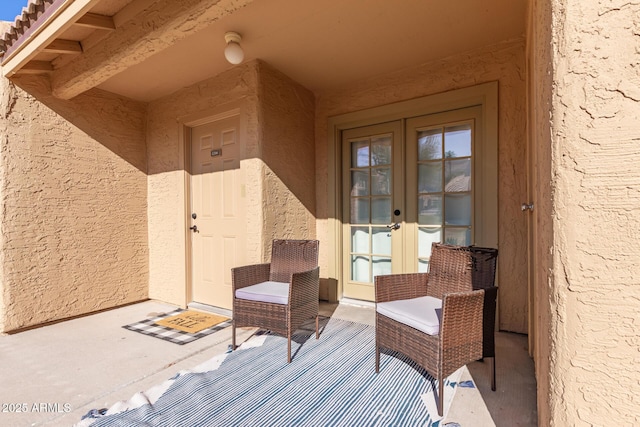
(330, 382)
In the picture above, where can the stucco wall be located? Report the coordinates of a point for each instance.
(540, 93)
(73, 218)
(288, 151)
(504, 63)
(541, 84)
(595, 280)
(277, 124)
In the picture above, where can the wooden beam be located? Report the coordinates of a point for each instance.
(58, 17)
(36, 67)
(95, 21)
(64, 46)
(159, 26)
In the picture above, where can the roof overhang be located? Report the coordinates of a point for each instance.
(146, 28)
(42, 25)
(145, 49)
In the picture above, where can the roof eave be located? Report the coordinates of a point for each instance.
(56, 18)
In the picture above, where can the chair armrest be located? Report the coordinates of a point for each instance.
(305, 287)
(248, 275)
(461, 326)
(392, 287)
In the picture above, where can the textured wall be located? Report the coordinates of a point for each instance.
(73, 183)
(504, 63)
(540, 92)
(540, 87)
(288, 152)
(595, 279)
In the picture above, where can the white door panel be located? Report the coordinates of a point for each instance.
(217, 203)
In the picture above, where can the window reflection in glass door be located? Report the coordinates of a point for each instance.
(372, 201)
(444, 187)
(370, 206)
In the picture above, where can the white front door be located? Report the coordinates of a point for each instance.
(218, 211)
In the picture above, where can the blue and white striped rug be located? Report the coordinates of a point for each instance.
(330, 382)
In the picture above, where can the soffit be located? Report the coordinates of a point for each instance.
(321, 45)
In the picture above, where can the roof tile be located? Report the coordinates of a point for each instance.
(30, 14)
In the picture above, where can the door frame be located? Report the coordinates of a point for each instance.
(185, 123)
(483, 95)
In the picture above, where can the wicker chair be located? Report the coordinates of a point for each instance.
(448, 310)
(281, 295)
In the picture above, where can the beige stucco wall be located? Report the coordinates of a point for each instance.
(595, 278)
(288, 151)
(277, 127)
(73, 216)
(543, 339)
(504, 63)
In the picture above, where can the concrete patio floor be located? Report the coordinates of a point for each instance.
(53, 375)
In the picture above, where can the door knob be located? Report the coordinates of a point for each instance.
(393, 226)
(194, 228)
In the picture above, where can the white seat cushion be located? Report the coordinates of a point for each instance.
(421, 313)
(272, 292)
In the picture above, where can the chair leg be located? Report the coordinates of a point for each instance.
(440, 396)
(289, 349)
(233, 335)
(317, 327)
(377, 357)
(493, 373)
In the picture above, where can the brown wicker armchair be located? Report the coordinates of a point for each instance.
(281, 295)
(435, 318)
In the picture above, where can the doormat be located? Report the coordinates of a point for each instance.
(191, 321)
(152, 328)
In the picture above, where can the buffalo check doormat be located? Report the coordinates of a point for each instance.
(173, 326)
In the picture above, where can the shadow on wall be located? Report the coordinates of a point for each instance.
(74, 203)
(119, 124)
(283, 122)
(288, 132)
(277, 124)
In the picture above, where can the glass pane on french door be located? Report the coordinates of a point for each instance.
(370, 201)
(370, 205)
(444, 186)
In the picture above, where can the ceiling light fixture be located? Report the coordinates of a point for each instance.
(233, 52)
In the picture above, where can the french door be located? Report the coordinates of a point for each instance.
(372, 200)
(406, 184)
